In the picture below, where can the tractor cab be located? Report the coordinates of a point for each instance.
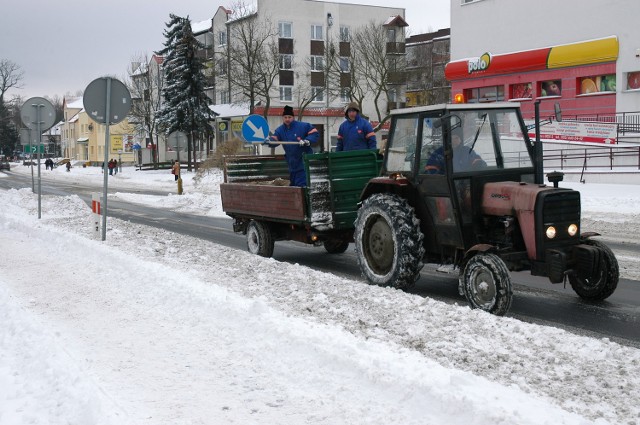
(448, 153)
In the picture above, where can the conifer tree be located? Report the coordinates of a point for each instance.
(186, 106)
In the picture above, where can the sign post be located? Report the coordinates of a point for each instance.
(107, 101)
(38, 114)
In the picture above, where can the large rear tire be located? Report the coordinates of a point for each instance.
(259, 239)
(487, 284)
(389, 241)
(604, 282)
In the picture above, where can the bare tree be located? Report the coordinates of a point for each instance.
(252, 54)
(374, 70)
(145, 83)
(10, 77)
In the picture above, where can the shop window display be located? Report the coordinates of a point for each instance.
(597, 84)
(633, 80)
(551, 88)
(521, 91)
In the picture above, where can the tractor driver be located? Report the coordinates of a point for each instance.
(464, 158)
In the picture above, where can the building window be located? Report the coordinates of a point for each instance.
(597, 84)
(224, 97)
(521, 91)
(344, 64)
(316, 32)
(222, 66)
(222, 38)
(484, 94)
(317, 63)
(551, 88)
(392, 95)
(345, 36)
(392, 63)
(285, 30)
(391, 35)
(286, 93)
(345, 95)
(317, 94)
(286, 61)
(633, 80)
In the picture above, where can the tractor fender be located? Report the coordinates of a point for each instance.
(481, 247)
(396, 184)
(587, 235)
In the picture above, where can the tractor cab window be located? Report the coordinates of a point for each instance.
(402, 144)
(488, 139)
(432, 146)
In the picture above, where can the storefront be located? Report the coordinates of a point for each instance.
(580, 76)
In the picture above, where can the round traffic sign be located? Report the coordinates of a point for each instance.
(178, 139)
(95, 100)
(38, 110)
(255, 128)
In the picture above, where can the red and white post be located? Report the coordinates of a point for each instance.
(97, 212)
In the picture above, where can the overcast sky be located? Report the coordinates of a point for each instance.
(63, 46)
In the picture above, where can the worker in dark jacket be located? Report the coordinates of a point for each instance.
(304, 134)
(355, 132)
(464, 158)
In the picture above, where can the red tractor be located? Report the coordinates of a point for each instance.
(460, 185)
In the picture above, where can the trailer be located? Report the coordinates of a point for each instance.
(257, 195)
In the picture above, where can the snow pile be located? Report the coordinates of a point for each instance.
(155, 327)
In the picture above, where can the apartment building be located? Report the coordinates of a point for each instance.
(302, 30)
(427, 55)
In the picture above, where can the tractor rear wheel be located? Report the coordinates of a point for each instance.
(388, 241)
(487, 284)
(605, 279)
(259, 239)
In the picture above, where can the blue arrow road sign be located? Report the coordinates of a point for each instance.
(255, 128)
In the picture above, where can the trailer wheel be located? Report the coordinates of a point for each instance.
(487, 284)
(259, 239)
(389, 241)
(604, 282)
(336, 246)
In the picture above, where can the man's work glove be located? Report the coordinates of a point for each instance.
(305, 143)
(266, 142)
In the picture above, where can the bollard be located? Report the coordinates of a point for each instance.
(96, 208)
(179, 185)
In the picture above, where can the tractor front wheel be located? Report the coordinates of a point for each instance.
(487, 284)
(605, 279)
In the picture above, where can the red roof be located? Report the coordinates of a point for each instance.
(309, 112)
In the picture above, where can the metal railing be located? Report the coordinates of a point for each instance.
(609, 157)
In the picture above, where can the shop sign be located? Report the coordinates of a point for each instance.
(479, 64)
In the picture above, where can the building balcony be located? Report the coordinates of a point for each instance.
(397, 77)
(396, 105)
(395, 48)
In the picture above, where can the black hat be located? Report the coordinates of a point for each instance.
(288, 110)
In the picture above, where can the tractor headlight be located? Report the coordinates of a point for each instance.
(573, 229)
(551, 232)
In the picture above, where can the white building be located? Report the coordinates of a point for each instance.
(516, 30)
(302, 30)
